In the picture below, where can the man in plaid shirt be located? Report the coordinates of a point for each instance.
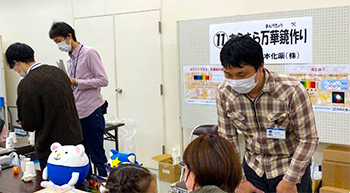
(274, 114)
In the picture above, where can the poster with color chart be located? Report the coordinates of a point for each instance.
(327, 85)
(201, 83)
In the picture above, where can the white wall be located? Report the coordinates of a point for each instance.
(86, 8)
(2, 73)
(2, 84)
(29, 21)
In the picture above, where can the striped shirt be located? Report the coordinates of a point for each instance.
(284, 103)
(85, 65)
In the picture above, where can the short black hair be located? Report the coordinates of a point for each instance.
(19, 52)
(240, 51)
(61, 29)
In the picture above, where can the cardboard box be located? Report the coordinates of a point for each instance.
(337, 153)
(336, 166)
(327, 189)
(336, 174)
(167, 171)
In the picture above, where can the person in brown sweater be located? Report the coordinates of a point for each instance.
(45, 102)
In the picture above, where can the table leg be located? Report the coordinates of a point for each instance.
(116, 139)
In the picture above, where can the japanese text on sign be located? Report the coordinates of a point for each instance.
(283, 40)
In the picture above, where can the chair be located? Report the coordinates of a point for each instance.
(180, 186)
(14, 128)
(204, 129)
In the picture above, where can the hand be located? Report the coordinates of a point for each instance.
(73, 81)
(286, 187)
(247, 187)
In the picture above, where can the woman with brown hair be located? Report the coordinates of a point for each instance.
(211, 165)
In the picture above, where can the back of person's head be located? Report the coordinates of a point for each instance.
(213, 161)
(240, 51)
(19, 52)
(61, 29)
(130, 178)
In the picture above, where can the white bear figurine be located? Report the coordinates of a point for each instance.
(67, 166)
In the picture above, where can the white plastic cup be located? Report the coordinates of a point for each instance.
(175, 155)
(13, 135)
(24, 163)
(31, 138)
(31, 135)
(23, 166)
(9, 142)
(30, 168)
(31, 142)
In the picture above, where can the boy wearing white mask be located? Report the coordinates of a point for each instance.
(45, 102)
(87, 76)
(275, 116)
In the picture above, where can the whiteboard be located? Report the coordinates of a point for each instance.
(331, 45)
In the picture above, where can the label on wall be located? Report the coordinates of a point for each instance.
(327, 85)
(201, 83)
(283, 41)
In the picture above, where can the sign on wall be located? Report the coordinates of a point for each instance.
(328, 86)
(201, 83)
(283, 40)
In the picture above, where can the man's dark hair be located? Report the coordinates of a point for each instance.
(19, 52)
(61, 29)
(213, 161)
(240, 51)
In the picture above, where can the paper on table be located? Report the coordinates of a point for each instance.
(58, 189)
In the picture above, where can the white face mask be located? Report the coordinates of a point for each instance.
(243, 86)
(22, 73)
(64, 47)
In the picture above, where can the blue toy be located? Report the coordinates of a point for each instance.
(116, 158)
(67, 166)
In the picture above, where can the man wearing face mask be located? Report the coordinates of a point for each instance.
(275, 116)
(45, 102)
(87, 76)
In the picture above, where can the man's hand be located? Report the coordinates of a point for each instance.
(286, 187)
(73, 81)
(247, 187)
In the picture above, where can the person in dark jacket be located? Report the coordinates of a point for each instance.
(45, 102)
(211, 165)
